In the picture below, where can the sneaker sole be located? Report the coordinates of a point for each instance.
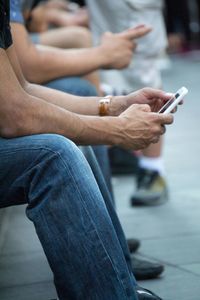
(150, 201)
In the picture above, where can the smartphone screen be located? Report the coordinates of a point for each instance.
(168, 103)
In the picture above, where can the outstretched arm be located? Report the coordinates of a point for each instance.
(42, 63)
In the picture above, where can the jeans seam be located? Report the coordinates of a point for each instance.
(60, 157)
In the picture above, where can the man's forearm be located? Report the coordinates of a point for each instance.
(76, 104)
(53, 63)
(22, 114)
(42, 63)
(32, 115)
(80, 105)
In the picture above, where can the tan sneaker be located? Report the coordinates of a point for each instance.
(151, 189)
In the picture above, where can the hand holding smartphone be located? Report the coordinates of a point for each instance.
(174, 101)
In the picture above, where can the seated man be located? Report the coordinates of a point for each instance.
(58, 59)
(49, 173)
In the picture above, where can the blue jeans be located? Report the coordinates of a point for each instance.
(73, 85)
(78, 232)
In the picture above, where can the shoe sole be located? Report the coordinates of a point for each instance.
(149, 275)
(150, 202)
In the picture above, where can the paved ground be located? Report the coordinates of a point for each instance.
(169, 233)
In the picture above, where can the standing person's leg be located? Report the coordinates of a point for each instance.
(151, 185)
(69, 214)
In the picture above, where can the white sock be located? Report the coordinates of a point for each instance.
(152, 163)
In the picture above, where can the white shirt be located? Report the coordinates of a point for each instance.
(118, 15)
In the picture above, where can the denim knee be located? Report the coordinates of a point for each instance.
(59, 162)
(62, 149)
(56, 143)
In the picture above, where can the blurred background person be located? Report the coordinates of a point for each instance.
(183, 25)
(114, 16)
(178, 24)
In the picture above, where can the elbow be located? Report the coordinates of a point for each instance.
(9, 131)
(32, 70)
(31, 74)
(13, 124)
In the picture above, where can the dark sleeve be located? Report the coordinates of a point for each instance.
(5, 34)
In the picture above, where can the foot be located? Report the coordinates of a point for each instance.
(151, 189)
(133, 244)
(144, 294)
(143, 269)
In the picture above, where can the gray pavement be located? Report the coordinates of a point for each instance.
(169, 233)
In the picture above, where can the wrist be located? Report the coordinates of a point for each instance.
(103, 56)
(112, 105)
(101, 131)
(118, 105)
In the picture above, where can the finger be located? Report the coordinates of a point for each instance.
(134, 45)
(163, 129)
(166, 119)
(155, 93)
(155, 140)
(156, 105)
(174, 110)
(144, 107)
(181, 102)
(134, 33)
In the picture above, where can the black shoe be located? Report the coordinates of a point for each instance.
(151, 189)
(133, 245)
(122, 162)
(143, 269)
(144, 294)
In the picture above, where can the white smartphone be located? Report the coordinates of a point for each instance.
(174, 101)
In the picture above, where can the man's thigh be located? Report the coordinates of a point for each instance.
(20, 155)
